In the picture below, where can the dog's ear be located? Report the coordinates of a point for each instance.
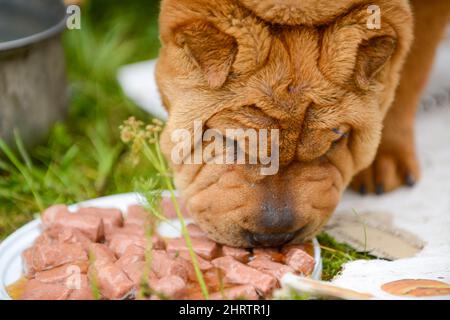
(355, 52)
(210, 49)
(351, 54)
(372, 55)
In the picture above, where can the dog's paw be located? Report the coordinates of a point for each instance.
(390, 170)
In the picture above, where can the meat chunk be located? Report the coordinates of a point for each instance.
(271, 253)
(64, 274)
(164, 265)
(72, 277)
(84, 292)
(134, 271)
(112, 218)
(44, 238)
(90, 226)
(214, 281)
(138, 216)
(73, 236)
(300, 261)
(131, 255)
(45, 257)
(285, 249)
(101, 254)
(135, 250)
(132, 262)
(205, 248)
(120, 242)
(133, 230)
(158, 243)
(170, 286)
(111, 281)
(239, 254)
(37, 290)
(238, 273)
(54, 213)
(204, 264)
(195, 231)
(246, 292)
(274, 269)
(169, 210)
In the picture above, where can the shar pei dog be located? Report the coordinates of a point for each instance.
(339, 81)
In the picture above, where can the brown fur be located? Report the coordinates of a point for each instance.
(396, 162)
(304, 67)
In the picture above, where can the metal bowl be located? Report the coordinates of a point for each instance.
(33, 90)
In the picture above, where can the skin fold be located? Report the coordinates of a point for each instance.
(314, 71)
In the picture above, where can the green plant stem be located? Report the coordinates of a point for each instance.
(157, 160)
(187, 238)
(364, 228)
(349, 257)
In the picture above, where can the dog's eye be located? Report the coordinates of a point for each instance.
(341, 133)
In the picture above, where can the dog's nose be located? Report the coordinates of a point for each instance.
(270, 239)
(276, 218)
(277, 223)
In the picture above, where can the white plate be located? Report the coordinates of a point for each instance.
(11, 249)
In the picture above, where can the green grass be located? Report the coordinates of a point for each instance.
(335, 254)
(83, 157)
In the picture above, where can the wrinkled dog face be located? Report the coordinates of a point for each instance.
(325, 85)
